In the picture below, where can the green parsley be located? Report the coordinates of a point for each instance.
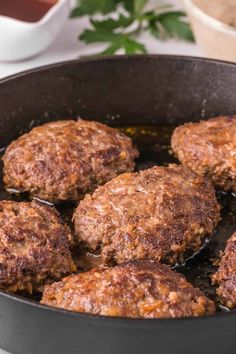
(123, 20)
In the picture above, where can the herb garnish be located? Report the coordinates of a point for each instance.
(123, 20)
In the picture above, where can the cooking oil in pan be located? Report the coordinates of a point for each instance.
(153, 143)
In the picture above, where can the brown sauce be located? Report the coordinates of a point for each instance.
(26, 10)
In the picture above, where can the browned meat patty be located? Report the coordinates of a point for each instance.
(62, 160)
(209, 148)
(145, 289)
(34, 246)
(225, 277)
(163, 213)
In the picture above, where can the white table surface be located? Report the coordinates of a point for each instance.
(67, 47)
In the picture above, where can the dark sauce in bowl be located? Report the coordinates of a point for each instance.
(153, 143)
(26, 10)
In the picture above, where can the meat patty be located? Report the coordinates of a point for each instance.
(225, 277)
(34, 246)
(145, 289)
(209, 148)
(163, 213)
(62, 160)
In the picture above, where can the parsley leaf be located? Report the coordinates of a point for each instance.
(111, 24)
(131, 46)
(139, 5)
(154, 29)
(119, 41)
(174, 25)
(128, 19)
(99, 35)
(91, 7)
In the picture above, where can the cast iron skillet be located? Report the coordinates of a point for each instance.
(122, 91)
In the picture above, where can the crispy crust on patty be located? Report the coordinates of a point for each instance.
(139, 289)
(63, 160)
(163, 213)
(225, 277)
(34, 246)
(209, 149)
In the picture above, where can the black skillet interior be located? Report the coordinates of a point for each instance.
(146, 96)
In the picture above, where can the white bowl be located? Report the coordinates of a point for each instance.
(21, 40)
(216, 39)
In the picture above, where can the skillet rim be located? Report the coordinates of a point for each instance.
(35, 304)
(115, 58)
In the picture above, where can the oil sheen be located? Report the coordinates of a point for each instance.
(153, 143)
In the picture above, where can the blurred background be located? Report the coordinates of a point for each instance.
(70, 29)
